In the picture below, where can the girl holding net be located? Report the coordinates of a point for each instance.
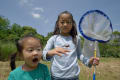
(63, 49)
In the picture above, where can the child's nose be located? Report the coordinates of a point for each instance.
(65, 24)
(35, 53)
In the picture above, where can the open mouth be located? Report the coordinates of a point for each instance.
(35, 60)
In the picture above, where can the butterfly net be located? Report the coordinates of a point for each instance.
(94, 27)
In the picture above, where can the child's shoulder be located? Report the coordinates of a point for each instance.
(42, 65)
(52, 38)
(17, 70)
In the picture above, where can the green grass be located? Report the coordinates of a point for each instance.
(108, 69)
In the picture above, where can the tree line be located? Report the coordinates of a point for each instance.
(9, 34)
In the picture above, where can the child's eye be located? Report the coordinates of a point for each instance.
(69, 22)
(30, 50)
(62, 22)
(39, 49)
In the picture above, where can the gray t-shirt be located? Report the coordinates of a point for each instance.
(67, 65)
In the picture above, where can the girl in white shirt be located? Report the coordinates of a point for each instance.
(63, 49)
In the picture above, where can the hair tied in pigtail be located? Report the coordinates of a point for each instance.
(12, 61)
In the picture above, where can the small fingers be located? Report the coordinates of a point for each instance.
(62, 50)
(59, 54)
(96, 61)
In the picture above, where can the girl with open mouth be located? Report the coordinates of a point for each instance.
(30, 49)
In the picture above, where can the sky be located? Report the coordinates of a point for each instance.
(42, 14)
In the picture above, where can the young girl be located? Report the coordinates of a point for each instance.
(30, 49)
(63, 49)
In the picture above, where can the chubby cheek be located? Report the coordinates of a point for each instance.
(40, 56)
(70, 28)
(27, 56)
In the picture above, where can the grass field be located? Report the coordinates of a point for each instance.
(108, 69)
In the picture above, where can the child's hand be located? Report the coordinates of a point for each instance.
(94, 61)
(57, 51)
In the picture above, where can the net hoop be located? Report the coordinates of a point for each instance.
(90, 38)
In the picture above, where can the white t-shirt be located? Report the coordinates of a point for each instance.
(67, 65)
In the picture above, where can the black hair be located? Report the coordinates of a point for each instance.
(19, 46)
(73, 31)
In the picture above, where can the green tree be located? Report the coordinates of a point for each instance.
(28, 30)
(47, 38)
(112, 48)
(17, 29)
(4, 23)
(41, 37)
(4, 27)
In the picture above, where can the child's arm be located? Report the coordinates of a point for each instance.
(57, 51)
(49, 46)
(85, 60)
(49, 50)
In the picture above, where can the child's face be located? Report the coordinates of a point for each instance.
(65, 23)
(32, 52)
